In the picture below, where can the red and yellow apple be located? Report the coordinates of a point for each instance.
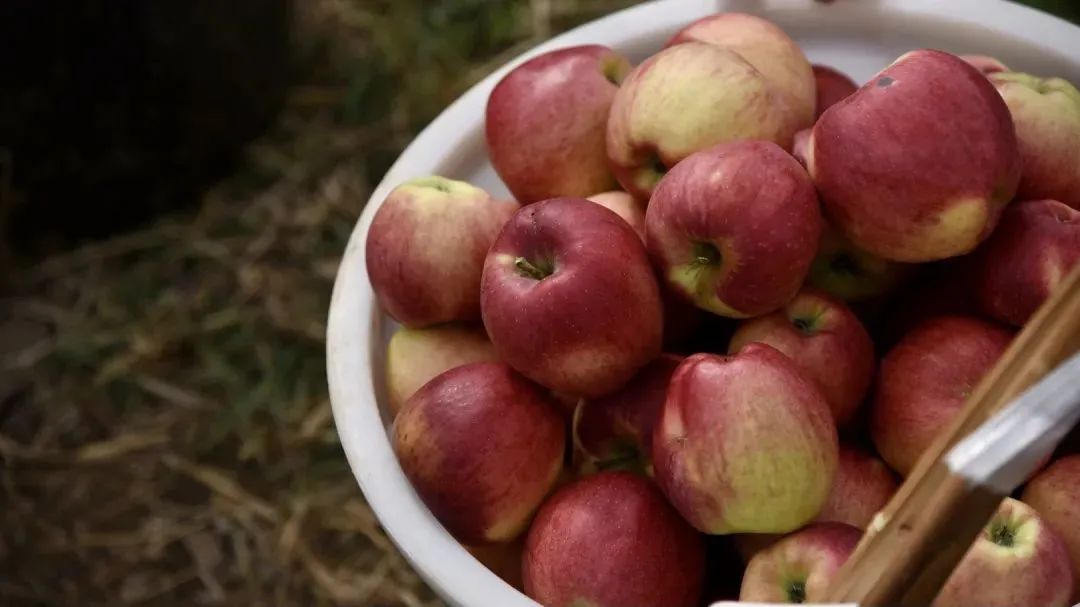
(1054, 493)
(425, 249)
(624, 205)
(734, 228)
(827, 343)
(800, 567)
(569, 298)
(610, 540)
(862, 486)
(1046, 112)
(924, 381)
(918, 164)
(686, 98)
(1020, 265)
(415, 356)
(482, 447)
(766, 47)
(744, 443)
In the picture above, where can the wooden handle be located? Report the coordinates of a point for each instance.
(919, 537)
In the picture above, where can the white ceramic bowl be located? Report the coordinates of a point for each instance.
(858, 37)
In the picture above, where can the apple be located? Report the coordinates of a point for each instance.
(985, 64)
(415, 356)
(686, 98)
(925, 379)
(827, 343)
(844, 270)
(918, 164)
(1020, 265)
(766, 47)
(504, 559)
(1054, 493)
(800, 567)
(734, 227)
(610, 540)
(863, 485)
(801, 146)
(624, 205)
(744, 443)
(425, 249)
(569, 299)
(1046, 112)
(832, 87)
(616, 430)
(546, 119)
(1018, 559)
(482, 447)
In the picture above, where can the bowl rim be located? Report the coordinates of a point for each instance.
(354, 322)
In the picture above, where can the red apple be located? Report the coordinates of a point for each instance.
(985, 64)
(917, 164)
(832, 87)
(425, 249)
(482, 447)
(569, 298)
(734, 228)
(504, 560)
(1054, 493)
(1046, 112)
(801, 567)
(924, 381)
(827, 343)
(863, 485)
(1017, 560)
(1020, 265)
(744, 443)
(616, 430)
(801, 146)
(766, 47)
(624, 205)
(686, 98)
(415, 356)
(546, 119)
(610, 540)
(844, 270)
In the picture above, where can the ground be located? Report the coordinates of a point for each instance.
(165, 431)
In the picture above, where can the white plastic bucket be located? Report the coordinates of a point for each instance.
(859, 37)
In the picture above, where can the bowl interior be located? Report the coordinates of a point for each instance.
(858, 38)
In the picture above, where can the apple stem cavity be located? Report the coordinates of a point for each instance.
(1002, 534)
(706, 254)
(796, 592)
(538, 271)
(434, 182)
(613, 70)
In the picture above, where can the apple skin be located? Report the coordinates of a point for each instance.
(844, 270)
(504, 560)
(1054, 493)
(426, 246)
(686, 98)
(1020, 265)
(832, 87)
(985, 64)
(940, 202)
(482, 447)
(800, 567)
(734, 228)
(1032, 569)
(546, 120)
(415, 356)
(744, 443)
(624, 205)
(827, 343)
(1046, 112)
(924, 380)
(800, 146)
(594, 319)
(617, 429)
(610, 540)
(766, 47)
(863, 485)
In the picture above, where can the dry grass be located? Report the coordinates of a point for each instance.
(165, 432)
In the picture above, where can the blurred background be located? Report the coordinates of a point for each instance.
(178, 180)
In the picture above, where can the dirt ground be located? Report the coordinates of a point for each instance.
(165, 432)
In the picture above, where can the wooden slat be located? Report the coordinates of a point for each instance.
(935, 516)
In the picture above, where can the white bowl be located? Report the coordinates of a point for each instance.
(857, 37)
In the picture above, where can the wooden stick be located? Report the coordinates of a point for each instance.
(916, 541)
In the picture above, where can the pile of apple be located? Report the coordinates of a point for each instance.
(734, 300)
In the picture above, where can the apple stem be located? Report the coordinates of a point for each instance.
(529, 269)
(797, 592)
